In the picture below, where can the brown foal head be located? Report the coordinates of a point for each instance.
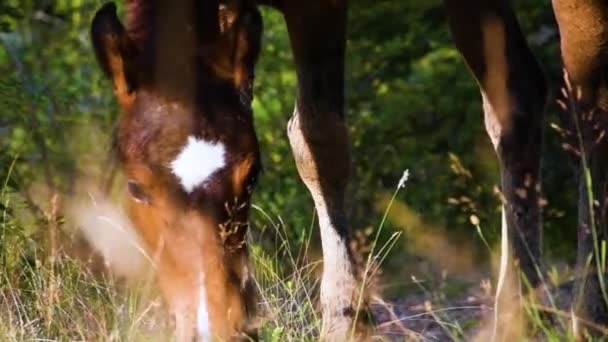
(182, 73)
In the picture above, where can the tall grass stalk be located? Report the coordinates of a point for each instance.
(286, 289)
(368, 264)
(599, 254)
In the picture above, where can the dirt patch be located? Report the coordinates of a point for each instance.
(418, 318)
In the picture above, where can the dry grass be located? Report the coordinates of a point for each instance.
(56, 294)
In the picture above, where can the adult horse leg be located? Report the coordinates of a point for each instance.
(319, 140)
(583, 27)
(488, 36)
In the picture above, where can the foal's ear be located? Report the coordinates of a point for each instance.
(238, 47)
(115, 52)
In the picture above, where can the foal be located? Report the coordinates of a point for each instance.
(188, 148)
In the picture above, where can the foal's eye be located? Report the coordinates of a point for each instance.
(137, 193)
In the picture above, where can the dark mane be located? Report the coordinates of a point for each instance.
(140, 22)
(168, 35)
(178, 16)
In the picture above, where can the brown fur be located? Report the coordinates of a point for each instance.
(175, 79)
(514, 89)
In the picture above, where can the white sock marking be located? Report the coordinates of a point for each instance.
(203, 326)
(197, 161)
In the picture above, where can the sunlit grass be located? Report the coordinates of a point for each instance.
(61, 297)
(288, 286)
(68, 302)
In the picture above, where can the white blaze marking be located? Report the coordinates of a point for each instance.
(198, 160)
(202, 316)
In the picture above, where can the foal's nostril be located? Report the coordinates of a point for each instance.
(137, 192)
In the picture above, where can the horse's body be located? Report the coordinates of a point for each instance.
(182, 74)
